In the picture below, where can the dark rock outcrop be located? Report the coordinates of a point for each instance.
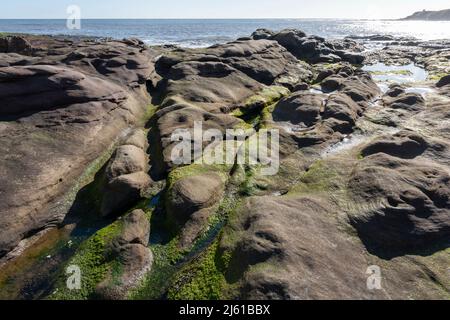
(442, 15)
(15, 44)
(444, 81)
(315, 49)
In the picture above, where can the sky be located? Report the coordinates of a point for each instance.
(234, 9)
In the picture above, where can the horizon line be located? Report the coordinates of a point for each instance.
(357, 19)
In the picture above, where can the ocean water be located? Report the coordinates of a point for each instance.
(200, 33)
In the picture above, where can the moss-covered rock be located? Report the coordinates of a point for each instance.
(112, 261)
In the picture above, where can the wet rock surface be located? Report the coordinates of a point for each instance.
(363, 175)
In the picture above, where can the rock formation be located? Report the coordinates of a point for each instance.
(363, 180)
(442, 15)
(63, 107)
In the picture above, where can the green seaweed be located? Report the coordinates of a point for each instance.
(251, 109)
(392, 72)
(203, 279)
(92, 259)
(320, 177)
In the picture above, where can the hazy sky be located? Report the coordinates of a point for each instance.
(355, 9)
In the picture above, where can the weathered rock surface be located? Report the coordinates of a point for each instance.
(191, 201)
(122, 192)
(413, 211)
(127, 159)
(315, 49)
(360, 87)
(206, 84)
(63, 107)
(363, 180)
(129, 248)
(193, 193)
(304, 108)
(299, 241)
(15, 44)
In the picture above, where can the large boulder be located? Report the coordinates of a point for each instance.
(359, 86)
(316, 49)
(291, 248)
(124, 191)
(135, 229)
(262, 34)
(299, 108)
(137, 138)
(15, 44)
(193, 193)
(62, 112)
(409, 209)
(127, 159)
(341, 107)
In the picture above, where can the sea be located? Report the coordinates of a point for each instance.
(203, 33)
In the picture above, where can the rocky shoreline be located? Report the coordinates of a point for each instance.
(425, 15)
(364, 180)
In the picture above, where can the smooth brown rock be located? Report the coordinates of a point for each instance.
(62, 108)
(135, 230)
(193, 193)
(301, 107)
(137, 138)
(124, 191)
(344, 109)
(410, 205)
(299, 238)
(127, 159)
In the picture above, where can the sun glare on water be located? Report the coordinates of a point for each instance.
(424, 30)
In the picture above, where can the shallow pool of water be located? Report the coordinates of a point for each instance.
(424, 91)
(396, 74)
(347, 143)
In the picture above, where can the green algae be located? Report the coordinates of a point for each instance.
(91, 258)
(267, 96)
(202, 279)
(251, 109)
(172, 263)
(392, 72)
(320, 177)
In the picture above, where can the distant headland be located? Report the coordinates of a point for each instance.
(442, 15)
